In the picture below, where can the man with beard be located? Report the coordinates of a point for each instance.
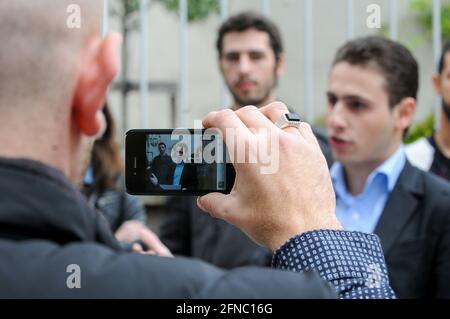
(433, 153)
(160, 165)
(251, 59)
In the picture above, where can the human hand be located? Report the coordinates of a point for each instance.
(271, 209)
(133, 230)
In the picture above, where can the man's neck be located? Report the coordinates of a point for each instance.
(442, 136)
(34, 149)
(34, 138)
(356, 174)
(356, 177)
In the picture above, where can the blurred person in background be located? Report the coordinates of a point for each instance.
(433, 153)
(104, 188)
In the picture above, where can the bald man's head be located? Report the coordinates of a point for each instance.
(38, 49)
(53, 80)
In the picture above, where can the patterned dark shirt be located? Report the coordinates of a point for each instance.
(352, 261)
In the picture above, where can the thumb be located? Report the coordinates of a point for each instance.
(217, 205)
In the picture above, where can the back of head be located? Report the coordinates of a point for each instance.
(394, 62)
(39, 46)
(250, 20)
(54, 70)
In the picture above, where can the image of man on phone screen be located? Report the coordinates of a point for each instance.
(173, 172)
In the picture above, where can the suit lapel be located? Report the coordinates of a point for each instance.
(400, 207)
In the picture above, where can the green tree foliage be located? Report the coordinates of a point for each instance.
(424, 12)
(421, 129)
(197, 9)
(127, 11)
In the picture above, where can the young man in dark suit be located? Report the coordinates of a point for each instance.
(372, 92)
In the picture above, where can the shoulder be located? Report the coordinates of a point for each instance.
(434, 194)
(432, 184)
(89, 270)
(101, 271)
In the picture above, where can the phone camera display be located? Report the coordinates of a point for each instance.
(185, 162)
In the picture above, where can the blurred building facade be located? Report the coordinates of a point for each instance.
(205, 90)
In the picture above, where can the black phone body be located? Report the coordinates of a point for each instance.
(176, 162)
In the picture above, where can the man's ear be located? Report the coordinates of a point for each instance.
(404, 113)
(437, 83)
(99, 66)
(281, 65)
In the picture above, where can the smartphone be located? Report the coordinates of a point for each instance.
(177, 162)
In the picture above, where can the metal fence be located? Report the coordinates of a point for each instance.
(308, 47)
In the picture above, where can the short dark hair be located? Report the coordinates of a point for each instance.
(162, 143)
(251, 20)
(445, 50)
(393, 60)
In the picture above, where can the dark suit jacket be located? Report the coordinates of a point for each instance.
(187, 230)
(160, 166)
(415, 234)
(188, 178)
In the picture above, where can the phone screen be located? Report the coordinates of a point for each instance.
(178, 161)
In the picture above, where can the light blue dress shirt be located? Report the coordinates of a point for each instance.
(362, 212)
(177, 173)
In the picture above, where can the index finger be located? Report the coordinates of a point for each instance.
(234, 132)
(223, 120)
